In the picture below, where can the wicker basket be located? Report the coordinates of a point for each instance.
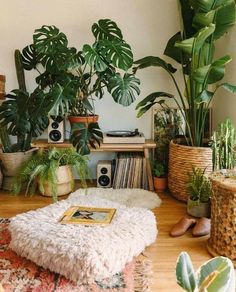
(223, 217)
(181, 160)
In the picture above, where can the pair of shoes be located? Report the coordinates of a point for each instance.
(201, 227)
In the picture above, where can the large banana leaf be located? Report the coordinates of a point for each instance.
(211, 73)
(106, 29)
(124, 89)
(93, 58)
(116, 52)
(149, 101)
(223, 17)
(187, 16)
(207, 5)
(47, 38)
(150, 61)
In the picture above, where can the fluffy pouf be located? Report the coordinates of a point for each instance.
(129, 197)
(82, 253)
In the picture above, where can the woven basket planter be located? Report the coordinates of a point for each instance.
(181, 160)
(222, 239)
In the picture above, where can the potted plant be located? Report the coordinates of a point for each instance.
(223, 143)
(24, 117)
(217, 274)
(204, 22)
(159, 177)
(199, 187)
(50, 170)
(71, 79)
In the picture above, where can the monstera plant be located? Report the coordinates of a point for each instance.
(204, 22)
(70, 78)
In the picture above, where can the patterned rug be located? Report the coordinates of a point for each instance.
(21, 275)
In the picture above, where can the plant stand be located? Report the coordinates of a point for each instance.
(222, 239)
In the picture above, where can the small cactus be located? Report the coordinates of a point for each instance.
(20, 70)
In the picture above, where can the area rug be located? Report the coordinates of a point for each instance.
(129, 197)
(21, 275)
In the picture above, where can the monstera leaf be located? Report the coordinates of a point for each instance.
(48, 38)
(106, 29)
(93, 58)
(117, 52)
(29, 57)
(123, 89)
(84, 135)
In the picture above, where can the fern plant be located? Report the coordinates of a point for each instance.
(41, 168)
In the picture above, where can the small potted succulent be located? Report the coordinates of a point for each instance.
(199, 187)
(159, 177)
(51, 171)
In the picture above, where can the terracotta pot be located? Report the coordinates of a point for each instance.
(65, 182)
(83, 119)
(160, 183)
(199, 210)
(181, 160)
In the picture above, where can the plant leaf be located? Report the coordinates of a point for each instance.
(227, 86)
(93, 58)
(47, 38)
(117, 52)
(123, 89)
(29, 57)
(204, 97)
(185, 272)
(151, 61)
(106, 29)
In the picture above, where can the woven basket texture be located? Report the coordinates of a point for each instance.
(223, 217)
(181, 160)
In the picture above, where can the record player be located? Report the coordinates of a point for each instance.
(124, 137)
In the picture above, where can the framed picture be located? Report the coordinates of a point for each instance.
(87, 215)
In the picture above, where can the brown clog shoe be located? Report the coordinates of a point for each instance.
(182, 226)
(203, 227)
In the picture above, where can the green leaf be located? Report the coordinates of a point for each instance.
(146, 107)
(187, 16)
(206, 6)
(211, 73)
(151, 61)
(117, 52)
(204, 97)
(194, 44)
(106, 29)
(215, 275)
(93, 58)
(185, 272)
(29, 57)
(152, 97)
(222, 16)
(123, 89)
(47, 38)
(171, 51)
(84, 135)
(227, 86)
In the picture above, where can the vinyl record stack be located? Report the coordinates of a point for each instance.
(130, 171)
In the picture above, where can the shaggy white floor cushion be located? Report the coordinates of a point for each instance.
(79, 252)
(128, 197)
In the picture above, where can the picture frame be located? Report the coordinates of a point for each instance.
(87, 215)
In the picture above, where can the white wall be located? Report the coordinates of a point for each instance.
(146, 25)
(224, 103)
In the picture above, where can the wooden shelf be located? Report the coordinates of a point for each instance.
(114, 147)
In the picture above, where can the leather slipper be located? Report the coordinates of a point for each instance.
(182, 226)
(203, 227)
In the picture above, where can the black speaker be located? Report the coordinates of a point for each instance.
(56, 130)
(104, 174)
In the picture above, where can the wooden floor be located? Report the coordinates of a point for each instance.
(163, 252)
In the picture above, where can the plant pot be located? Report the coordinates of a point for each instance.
(65, 182)
(160, 183)
(83, 119)
(181, 160)
(198, 209)
(10, 163)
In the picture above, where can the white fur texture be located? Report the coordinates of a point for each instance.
(82, 253)
(129, 197)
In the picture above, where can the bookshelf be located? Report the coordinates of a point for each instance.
(146, 148)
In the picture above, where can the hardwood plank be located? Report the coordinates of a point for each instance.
(163, 252)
